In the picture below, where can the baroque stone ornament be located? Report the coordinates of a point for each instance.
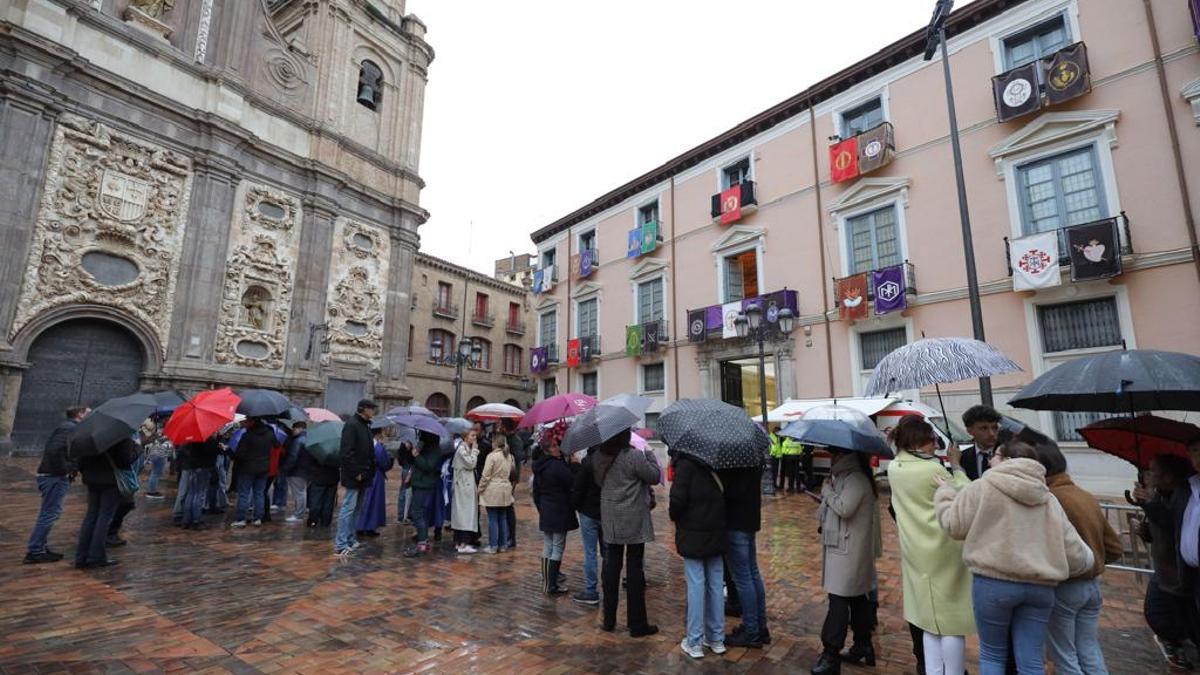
(110, 226)
(257, 297)
(354, 307)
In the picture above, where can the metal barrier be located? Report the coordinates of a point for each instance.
(1127, 520)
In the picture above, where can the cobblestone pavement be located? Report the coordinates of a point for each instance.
(274, 600)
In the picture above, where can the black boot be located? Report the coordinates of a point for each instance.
(545, 577)
(827, 664)
(552, 587)
(860, 653)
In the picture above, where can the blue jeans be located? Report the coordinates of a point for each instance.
(743, 567)
(705, 599)
(590, 533)
(158, 464)
(420, 514)
(1004, 607)
(54, 491)
(279, 492)
(250, 489)
(553, 543)
(217, 497)
(497, 527)
(1075, 628)
(181, 495)
(102, 506)
(193, 503)
(346, 535)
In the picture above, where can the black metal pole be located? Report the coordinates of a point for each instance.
(768, 482)
(985, 383)
(458, 370)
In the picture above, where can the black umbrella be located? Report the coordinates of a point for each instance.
(1125, 381)
(167, 400)
(263, 403)
(717, 434)
(111, 422)
(1014, 429)
(609, 418)
(835, 426)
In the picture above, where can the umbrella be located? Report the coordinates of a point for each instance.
(835, 426)
(263, 403)
(1012, 428)
(204, 415)
(556, 408)
(637, 442)
(458, 425)
(322, 415)
(293, 415)
(324, 441)
(716, 433)
(110, 423)
(1138, 440)
(382, 422)
(607, 419)
(491, 412)
(422, 423)
(1125, 381)
(167, 399)
(410, 410)
(644, 433)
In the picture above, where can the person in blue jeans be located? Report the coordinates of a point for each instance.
(495, 494)
(157, 452)
(252, 461)
(697, 507)
(743, 518)
(585, 497)
(357, 471)
(54, 475)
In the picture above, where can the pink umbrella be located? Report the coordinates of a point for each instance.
(492, 412)
(644, 433)
(322, 415)
(638, 442)
(556, 408)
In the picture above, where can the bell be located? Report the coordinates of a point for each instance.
(366, 95)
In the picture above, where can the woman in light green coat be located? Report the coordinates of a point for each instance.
(937, 585)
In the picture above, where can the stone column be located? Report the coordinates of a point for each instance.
(391, 386)
(310, 288)
(704, 364)
(786, 369)
(10, 391)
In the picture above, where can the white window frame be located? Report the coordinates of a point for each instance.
(637, 306)
(541, 322)
(891, 321)
(1068, 9)
(740, 239)
(837, 115)
(595, 239)
(897, 200)
(719, 168)
(594, 373)
(637, 211)
(578, 323)
(641, 380)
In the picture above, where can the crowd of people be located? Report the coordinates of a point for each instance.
(996, 540)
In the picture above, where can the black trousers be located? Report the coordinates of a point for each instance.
(101, 507)
(844, 613)
(510, 512)
(124, 506)
(1167, 614)
(320, 504)
(791, 472)
(777, 467)
(806, 468)
(635, 584)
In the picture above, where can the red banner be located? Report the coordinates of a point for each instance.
(731, 205)
(851, 295)
(573, 353)
(843, 160)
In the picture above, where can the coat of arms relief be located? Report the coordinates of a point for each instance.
(356, 299)
(257, 296)
(109, 228)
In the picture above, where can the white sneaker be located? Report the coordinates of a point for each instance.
(467, 548)
(238, 523)
(489, 549)
(355, 546)
(716, 647)
(257, 523)
(275, 508)
(291, 519)
(696, 652)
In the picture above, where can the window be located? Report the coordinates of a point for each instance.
(873, 240)
(549, 387)
(741, 275)
(587, 241)
(443, 295)
(862, 117)
(370, 85)
(1087, 324)
(438, 404)
(481, 305)
(875, 345)
(736, 173)
(441, 345)
(548, 257)
(512, 359)
(548, 330)
(1038, 42)
(514, 314)
(588, 324)
(650, 300)
(589, 383)
(484, 362)
(1059, 191)
(653, 377)
(652, 421)
(648, 213)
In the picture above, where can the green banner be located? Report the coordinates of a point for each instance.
(633, 340)
(649, 237)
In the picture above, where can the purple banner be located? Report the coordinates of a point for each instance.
(537, 359)
(1194, 5)
(712, 318)
(585, 263)
(890, 291)
(633, 244)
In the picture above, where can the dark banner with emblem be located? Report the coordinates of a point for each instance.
(697, 327)
(1066, 74)
(1095, 250)
(875, 148)
(650, 331)
(587, 348)
(1194, 6)
(1016, 92)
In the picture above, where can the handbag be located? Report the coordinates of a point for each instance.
(127, 480)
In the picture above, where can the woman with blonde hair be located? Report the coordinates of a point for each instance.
(496, 494)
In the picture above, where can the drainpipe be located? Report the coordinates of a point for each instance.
(567, 302)
(1188, 217)
(812, 128)
(674, 308)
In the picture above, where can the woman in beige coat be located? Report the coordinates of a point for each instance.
(496, 494)
(1019, 545)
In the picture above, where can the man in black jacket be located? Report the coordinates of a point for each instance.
(358, 469)
(983, 424)
(99, 476)
(585, 497)
(251, 466)
(54, 475)
(743, 518)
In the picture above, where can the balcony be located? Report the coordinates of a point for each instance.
(910, 279)
(545, 285)
(445, 310)
(663, 328)
(1120, 229)
(514, 327)
(485, 319)
(1050, 81)
(862, 153)
(584, 263)
(552, 354)
(748, 199)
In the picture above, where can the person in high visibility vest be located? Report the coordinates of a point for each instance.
(777, 452)
(790, 451)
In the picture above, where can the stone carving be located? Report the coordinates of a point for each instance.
(109, 197)
(357, 286)
(206, 11)
(285, 69)
(257, 297)
(153, 8)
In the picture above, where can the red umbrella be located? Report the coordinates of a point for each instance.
(556, 408)
(322, 415)
(1138, 440)
(203, 416)
(491, 412)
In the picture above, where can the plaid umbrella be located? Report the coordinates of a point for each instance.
(556, 408)
(609, 418)
(324, 442)
(937, 360)
(835, 426)
(1121, 382)
(110, 423)
(263, 403)
(204, 415)
(716, 433)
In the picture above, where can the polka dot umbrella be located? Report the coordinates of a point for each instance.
(716, 433)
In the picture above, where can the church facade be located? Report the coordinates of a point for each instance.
(203, 193)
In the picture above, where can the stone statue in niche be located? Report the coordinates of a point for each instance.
(256, 307)
(153, 8)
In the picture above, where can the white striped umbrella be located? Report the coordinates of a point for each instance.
(939, 360)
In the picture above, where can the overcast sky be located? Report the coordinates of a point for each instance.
(536, 107)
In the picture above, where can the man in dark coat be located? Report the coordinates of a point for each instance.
(253, 462)
(358, 468)
(697, 507)
(54, 475)
(103, 497)
(585, 497)
(743, 518)
(983, 424)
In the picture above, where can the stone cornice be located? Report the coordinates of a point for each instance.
(476, 277)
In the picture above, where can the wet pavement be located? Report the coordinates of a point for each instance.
(274, 600)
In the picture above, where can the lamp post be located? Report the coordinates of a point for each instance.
(469, 351)
(749, 323)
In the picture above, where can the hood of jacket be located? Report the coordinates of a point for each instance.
(1022, 480)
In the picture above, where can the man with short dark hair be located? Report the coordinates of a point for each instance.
(54, 475)
(983, 424)
(358, 468)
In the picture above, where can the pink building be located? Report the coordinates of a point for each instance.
(1091, 143)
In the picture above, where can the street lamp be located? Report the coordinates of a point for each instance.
(469, 351)
(749, 323)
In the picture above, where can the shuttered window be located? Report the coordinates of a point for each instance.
(874, 240)
(1079, 325)
(875, 345)
(548, 331)
(588, 317)
(650, 300)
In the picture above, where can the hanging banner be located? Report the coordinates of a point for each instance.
(1194, 6)
(633, 243)
(1095, 250)
(538, 277)
(731, 205)
(575, 268)
(1066, 75)
(587, 348)
(843, 160)
(573, 353)
(1034, 261)
(875, 148)
(537, 359)
(650, 333)
(714, 319)
(633, 340)
(697, 330)
(547, 278)
(891, 289)
(729, 314)
(1015, 93)
(776, 301)
(851, 293)
(587, 260)
(649, 237)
